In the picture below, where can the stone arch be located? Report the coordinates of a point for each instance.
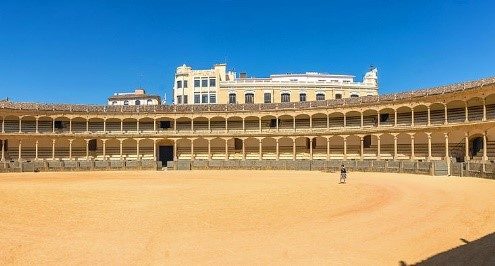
(302, 121)
(404, 116)
(251, 123)
(217, 123)
(370, 118)
(353, 119)
(234, 123)
(336, 147)
(28, 124)
(353, 148)
(319, 120)
(269, 148)
(490, 106)
(420, 115)
(387, 117)
(200, 123)
(456, 111)
(475, 109)
(437, 113)
(336, 120)
(286, 122)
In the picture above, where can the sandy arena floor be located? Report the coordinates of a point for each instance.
(241, 217)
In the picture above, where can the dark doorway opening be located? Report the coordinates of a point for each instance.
(476, 146)
(166, 154)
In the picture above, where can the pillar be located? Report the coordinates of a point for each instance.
(429, 146)
(3, 150)
(328, 122)
(36, 150)
(226, 149)
(412, 117)
(484, 109)
(466, 112)
(20, 150)
(37, 125)
(378, 148)
(395, 117)
(466, 147)
(121, 141)
(446, 146)
(293, 149)
(244, 124)
(378, 119)
(362, 120)
(121, 126)
(192, 124)
(209, 125)
(87, 148)
(70, 148)
(310, 122)
(70, 125)
(175, 147)
(277, 151)
(395, 147)
(226, 125)
(345, 148)
(154, 148)
(53, 149)
(3, 124)
(154, 126)
(243, 149)
(445, 114)
(192, 149)
(53, 125)
(175, 126)
(311, 148)
(345, 120)
(260, 123)
(261, 149)
(137, 147)
(328, 149)
(277, 122)
(104, 147)
(20, 124)
(104, 125)
(209, 148)
(429, 116)
(412, 147)
(485, 147)
(137, 125)
(362, 147)
(87, 124)
(294, 123)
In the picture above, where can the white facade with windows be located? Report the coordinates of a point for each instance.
(217, 85)
(138, 97)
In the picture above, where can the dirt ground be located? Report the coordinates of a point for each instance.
(238, 217)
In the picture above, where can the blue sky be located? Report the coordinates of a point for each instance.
(83, 51)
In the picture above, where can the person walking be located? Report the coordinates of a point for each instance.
(343, 174)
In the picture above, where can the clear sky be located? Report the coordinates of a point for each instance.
(83, 51)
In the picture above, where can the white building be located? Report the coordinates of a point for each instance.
(217, 85)
(138, 97)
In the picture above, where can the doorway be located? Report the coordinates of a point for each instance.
(166, 154)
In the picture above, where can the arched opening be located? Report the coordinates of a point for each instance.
(353, 144)
(61, 124)
(319, 120)
(234, 123)
(420, 146)
(200, 124)
(11, 124)
(336, 120)
(78, 125)
(490, 106)
(251, 123)
(146, 149)
(286, 122)
(387, 117)
(96, 125)
(302, 122)
(183, 124)
(386, 147)
(113, 125)
(146, 124)
(184, 149)
(475, 109)
(456, 111)
(285, 148)
(370, 148)
(252, 148)
(420, 115)
(404, 116)
(217, 123)
(437, 114)
(353, 119)
(129, 149)
(319, 148)
(302, 148)
(28, 124)
(269, 123)
(164, 123)
(129, 125)
(269, 149)
(370, 118)
(336, 148)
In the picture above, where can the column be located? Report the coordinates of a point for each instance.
(137, 147)
(37, 127)
(466, 147)
(260, 123)
(209, 148)
(484, 109)
(395, 117)
(345, 147)
(412, 147)
(362, 147)
(311, 148)
(70, 148)
(209, 125)
(466, 113)
(278, 150)
(70, 126)
(137, 125)
(429, 116)
(53, 149)
(378, 119)
(226, 149)
(104, 125)
(104, 148)
(328, 122)
(3, 150)
(121, 141)
(277, 122)
(244, 124)
(175, 125)
(154, 125)
(485, 147)
(36, 150)
(192, 149)
(87, 124)
(395, 147)
(261, 149)
(53, 125)
(87, 148)
(429, 146)
(328, 148)
(175, 147)
(3, 124)
(294, 123)
(293, 149)
(243, 150)
(345, 121)
(362, 120)
(154, 148)
(20, 124)
(121, 126)
(412, 117)
(446, 146)
(310, 122)
(226, 125)
(378, 148)
(445, 114)
(20, 150)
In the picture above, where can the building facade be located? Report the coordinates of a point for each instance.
(138, 97)
(455, 122)
(217, 85)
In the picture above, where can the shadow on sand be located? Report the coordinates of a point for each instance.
(477, 252)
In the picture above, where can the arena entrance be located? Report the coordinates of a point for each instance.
(166, 154)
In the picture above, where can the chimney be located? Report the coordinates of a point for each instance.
(243, 75)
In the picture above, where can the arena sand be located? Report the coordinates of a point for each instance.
(238, 217)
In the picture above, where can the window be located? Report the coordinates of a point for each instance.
(232, 98)
(179, 99)
(267, 97)
(179, 84)
(185, 83)
(92, 145)
(354, 95)
(302, 97)
(213, 82)
(185, 99)
(204, 98)
(59, 124)
(338, 96)
(213, 98)
(164, 124)
(285, 97)
(320, 96)
(197, 97)
(204, 83)
(197, 83)
(126, 102)
(137, 102)
(249, 98)
(149, 102)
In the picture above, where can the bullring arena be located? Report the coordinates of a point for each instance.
(412, 195)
